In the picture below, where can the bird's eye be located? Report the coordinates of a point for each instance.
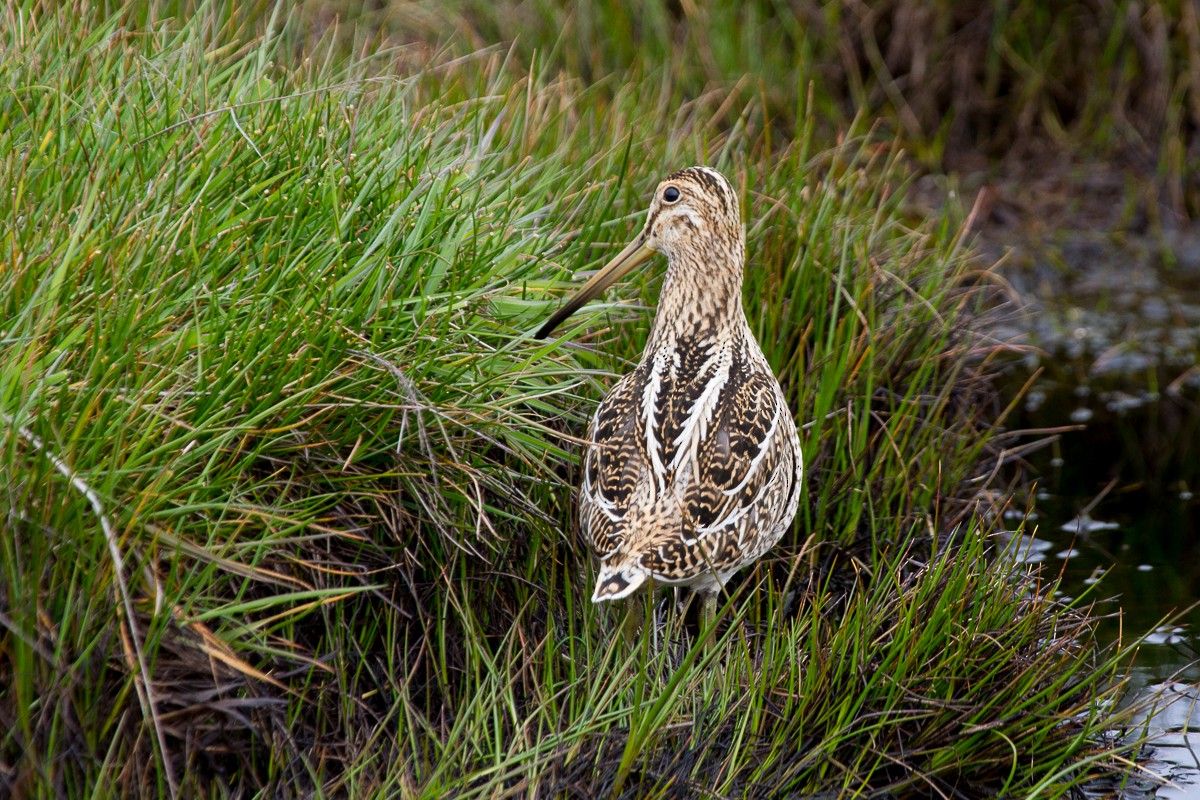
(670, 194)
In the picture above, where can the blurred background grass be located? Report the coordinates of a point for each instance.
(288, 496)
(962, 85)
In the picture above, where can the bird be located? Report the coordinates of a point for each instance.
(693, 466)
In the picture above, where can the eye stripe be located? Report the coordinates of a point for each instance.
(709, 181)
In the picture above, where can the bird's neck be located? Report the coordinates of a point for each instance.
(701, 298)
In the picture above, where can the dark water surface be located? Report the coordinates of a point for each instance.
(1103, 304)
(1118, 515)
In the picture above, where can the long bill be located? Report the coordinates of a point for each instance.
(635, 253)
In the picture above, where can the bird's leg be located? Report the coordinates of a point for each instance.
(634, 616)
(708, 616)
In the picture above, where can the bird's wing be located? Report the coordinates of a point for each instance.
(744, 471)
(716, 440)
(611, 466)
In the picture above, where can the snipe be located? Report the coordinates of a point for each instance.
(693, 467)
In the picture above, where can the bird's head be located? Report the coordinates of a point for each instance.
(692, 210)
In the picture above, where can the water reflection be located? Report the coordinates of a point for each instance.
(1170, 721)
(1135, 596)
(1116, 514)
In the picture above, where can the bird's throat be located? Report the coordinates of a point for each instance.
(699, 300)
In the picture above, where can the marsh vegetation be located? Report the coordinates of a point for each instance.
(287, 497)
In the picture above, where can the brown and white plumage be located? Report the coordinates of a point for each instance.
(694, 468)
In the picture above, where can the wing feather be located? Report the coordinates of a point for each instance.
(721, 456)
(612, 464)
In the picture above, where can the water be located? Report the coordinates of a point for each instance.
(1112, 325)
(1099, 293)
(1117, 498)
(1118, 516)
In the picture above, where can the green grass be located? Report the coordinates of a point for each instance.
(288, 485)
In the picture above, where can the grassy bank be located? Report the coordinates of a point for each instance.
(288, 485)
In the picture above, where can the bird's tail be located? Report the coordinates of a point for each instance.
(617, 581)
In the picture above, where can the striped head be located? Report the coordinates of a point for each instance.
(689, 207)
(694, 212)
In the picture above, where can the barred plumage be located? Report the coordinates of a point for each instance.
(693, 468)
